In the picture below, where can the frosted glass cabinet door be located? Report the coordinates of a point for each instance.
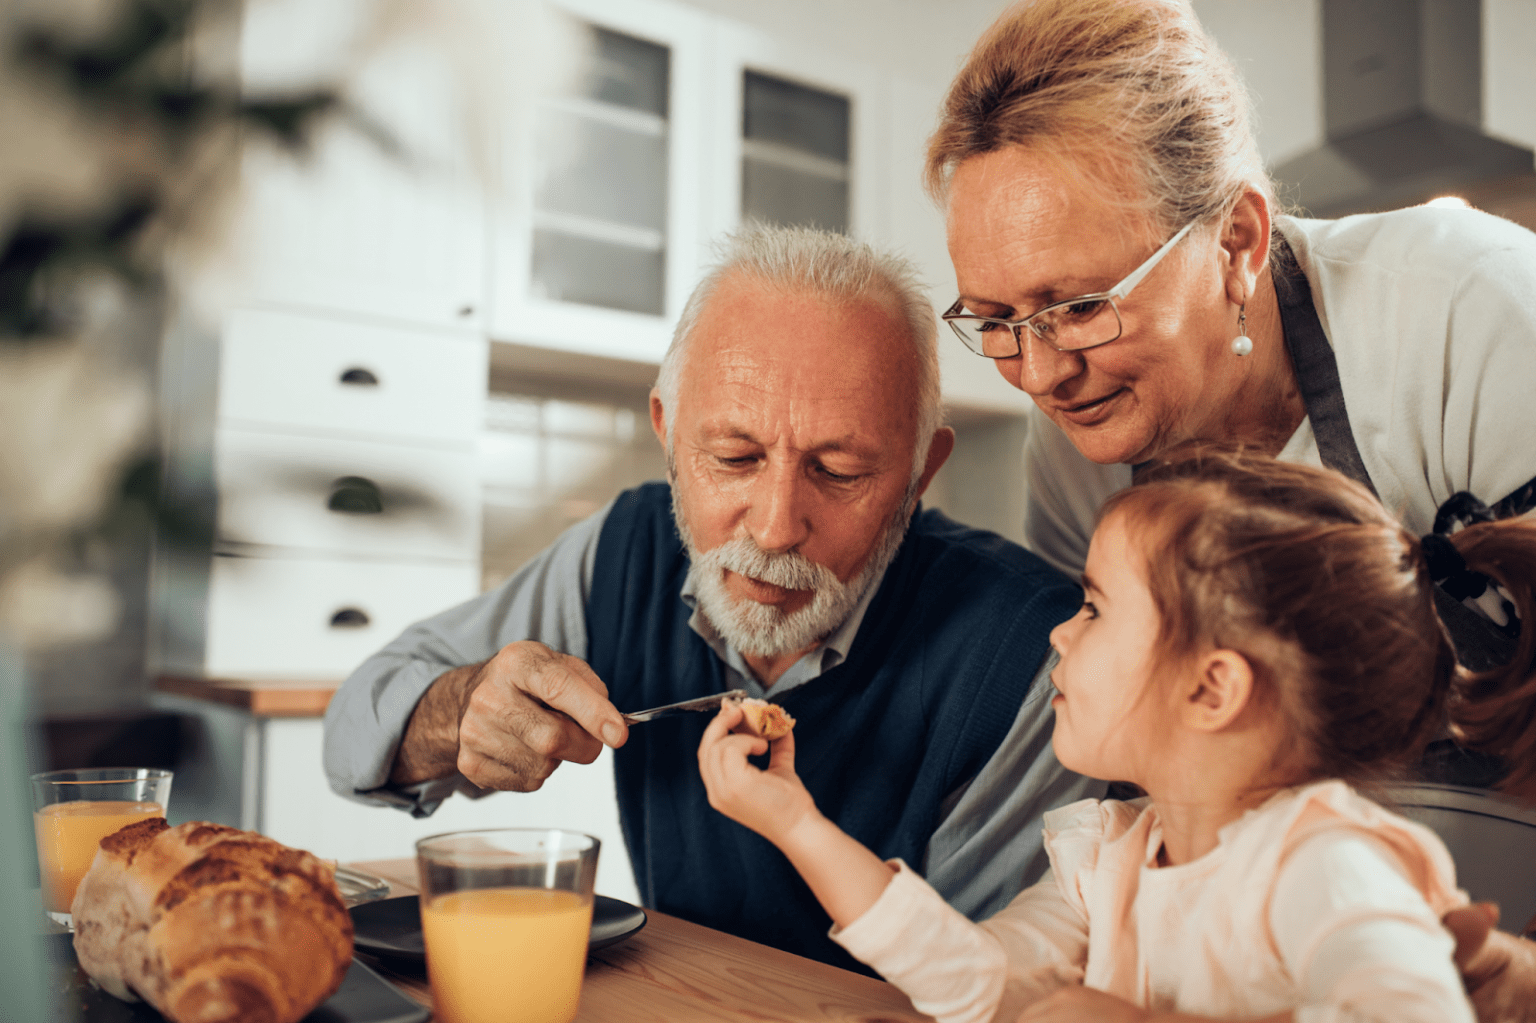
(794, 153)
(593, 168)
(803, 133)
(599, 211)
(598, 239)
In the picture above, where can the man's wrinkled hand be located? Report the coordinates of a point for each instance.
(1498, 969)
(528, 709)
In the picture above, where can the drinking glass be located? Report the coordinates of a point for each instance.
(506, 914)
(72, 811)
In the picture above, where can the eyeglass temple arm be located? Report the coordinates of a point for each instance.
(1124, 287)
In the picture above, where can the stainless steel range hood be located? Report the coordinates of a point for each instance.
(1402, 98)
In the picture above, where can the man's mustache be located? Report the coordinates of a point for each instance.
(790, 570)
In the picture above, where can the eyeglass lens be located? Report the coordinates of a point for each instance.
(1067, 327)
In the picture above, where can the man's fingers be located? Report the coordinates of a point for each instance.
(521, 770)
(501, 716)
(521, 739)
(509, 740)
(568, 685)
(550, 733)
(583, 669)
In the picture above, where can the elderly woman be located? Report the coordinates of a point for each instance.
(1119, 254)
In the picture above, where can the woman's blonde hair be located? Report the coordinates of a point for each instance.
(1135, 86)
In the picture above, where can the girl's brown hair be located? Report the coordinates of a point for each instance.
(1137, 86)
(1305, 573)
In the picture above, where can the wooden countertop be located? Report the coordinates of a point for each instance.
(674, 970)
(273, 698)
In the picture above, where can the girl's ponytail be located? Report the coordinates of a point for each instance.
(1494, 711)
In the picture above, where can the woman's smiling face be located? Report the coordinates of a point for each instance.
(1026, 230)
(1111, 719)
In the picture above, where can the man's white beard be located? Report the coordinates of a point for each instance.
(761, 630)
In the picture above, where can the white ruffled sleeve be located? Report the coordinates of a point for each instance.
(962, 972)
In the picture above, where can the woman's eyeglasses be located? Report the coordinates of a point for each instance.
(1071, 325)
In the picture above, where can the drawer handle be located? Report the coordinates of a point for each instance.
(355, 495)
(349, 618)
(360, 377)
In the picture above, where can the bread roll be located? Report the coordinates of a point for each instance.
(211, 924)
(768, 720)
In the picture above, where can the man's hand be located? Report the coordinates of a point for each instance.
(507, 723)
(769, 802)
(1498, 969)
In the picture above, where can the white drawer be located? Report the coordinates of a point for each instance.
(318, 619)
(280, 490)
(314, 373)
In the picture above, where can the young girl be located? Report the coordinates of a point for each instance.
(1255, 636)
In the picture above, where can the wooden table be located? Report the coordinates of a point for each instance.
(272, 698)
(674, 971)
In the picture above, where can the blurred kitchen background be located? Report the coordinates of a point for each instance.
(426, 351)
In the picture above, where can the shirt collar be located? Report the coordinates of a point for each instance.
(829, 654)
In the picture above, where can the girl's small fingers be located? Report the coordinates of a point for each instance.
(723, 722)
(738, 746)
(728, 751)
(783, 758)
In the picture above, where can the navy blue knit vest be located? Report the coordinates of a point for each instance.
(932, 683)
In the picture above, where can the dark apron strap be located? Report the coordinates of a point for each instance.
(1317, 372)
(1479, 643)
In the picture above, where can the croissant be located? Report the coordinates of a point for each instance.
(765, 719)
(211, 924)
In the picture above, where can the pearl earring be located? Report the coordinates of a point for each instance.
(1242, 344)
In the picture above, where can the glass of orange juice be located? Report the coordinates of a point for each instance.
(505, 916)
(74, 810)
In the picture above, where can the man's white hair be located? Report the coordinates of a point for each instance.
(806, 260)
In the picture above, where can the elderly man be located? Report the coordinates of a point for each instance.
(799, 409)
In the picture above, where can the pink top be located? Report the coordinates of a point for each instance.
(1319, 901)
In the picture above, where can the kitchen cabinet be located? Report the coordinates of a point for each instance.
(384, 220)
(345, 378)
(339, 465)
(598, 234)
(675, 126)
(795, 129)
(563, 200)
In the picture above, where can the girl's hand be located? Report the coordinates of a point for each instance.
(772, 802)
(1498, 969)
(1078, 1004)
(846, 877)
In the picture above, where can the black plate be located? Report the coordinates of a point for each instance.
(391, 928)
(364, 996)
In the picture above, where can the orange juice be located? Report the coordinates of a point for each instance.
(67, 838)
(506, 955)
